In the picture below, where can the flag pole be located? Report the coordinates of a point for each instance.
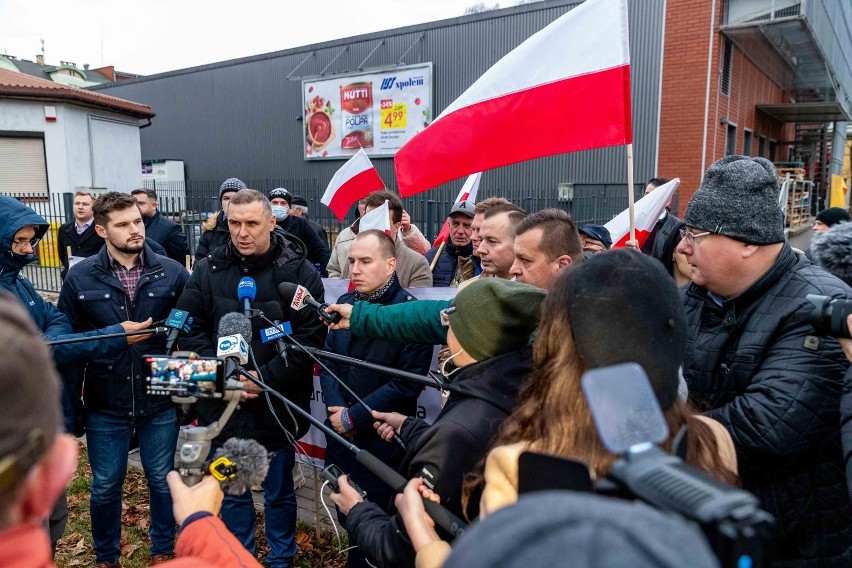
(435, 260)
(630, 197)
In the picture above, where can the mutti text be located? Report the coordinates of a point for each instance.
(353, 94)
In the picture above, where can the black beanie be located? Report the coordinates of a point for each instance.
(738, 198)
(624, 308)
(581, 530)
(832, 216)
(280, 192)
(230, 185)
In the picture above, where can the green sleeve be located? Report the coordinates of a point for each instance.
(409, 322)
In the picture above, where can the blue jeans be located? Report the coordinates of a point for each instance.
(108, 439)
(279, 509)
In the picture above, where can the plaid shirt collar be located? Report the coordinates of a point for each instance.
(128, 277)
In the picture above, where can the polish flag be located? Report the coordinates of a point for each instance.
(357, 178)
(378, 218)
(565, 89)
(468, 193)
(647, 211)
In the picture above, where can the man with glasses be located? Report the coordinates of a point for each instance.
(756, 364)
(595, 239)
(21, 228)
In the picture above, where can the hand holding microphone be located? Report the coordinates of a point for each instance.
(137, 326)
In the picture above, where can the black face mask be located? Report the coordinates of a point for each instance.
(19, 261)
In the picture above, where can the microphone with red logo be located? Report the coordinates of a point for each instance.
(302, 298)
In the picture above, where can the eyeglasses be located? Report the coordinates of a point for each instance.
(691, 237)
(445, 315)
(22, 243)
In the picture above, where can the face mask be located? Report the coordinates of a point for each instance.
(280, 212)
(447, 373)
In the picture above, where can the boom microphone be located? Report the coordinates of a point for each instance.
(179, 321)
(302, 298)
(243, 464)
(234, 331)
(246, 292)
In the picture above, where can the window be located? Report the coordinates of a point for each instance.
(746, 142)
(761, 147)
(772, 145)
(726, 67)
(22, 165)
(731, 146)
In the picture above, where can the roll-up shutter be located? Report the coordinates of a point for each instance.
(22, 166)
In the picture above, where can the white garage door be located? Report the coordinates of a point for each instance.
(22, 166)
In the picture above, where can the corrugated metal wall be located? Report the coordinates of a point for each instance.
(242, 118)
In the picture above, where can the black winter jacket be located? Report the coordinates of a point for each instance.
(655, 244)
(481, 397)
(445, 268)
(169, 235)
(212, 293)
(755, 365)
(214, 238)
(85, 245)
(93, 297)
(846, 426)
(316, 248)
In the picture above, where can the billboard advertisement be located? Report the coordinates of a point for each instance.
(378, 111)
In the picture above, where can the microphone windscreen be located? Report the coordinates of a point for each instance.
(234, 323)
(246, 289)
(288, 290)
(252, 464)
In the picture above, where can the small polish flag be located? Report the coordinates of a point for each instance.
(378, 218)
(565, 89)
(357, 178)
(468, 193)
(647, 211)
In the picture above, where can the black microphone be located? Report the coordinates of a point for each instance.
(179, 321)
(239, 465)
(302, 298)
(246, 292)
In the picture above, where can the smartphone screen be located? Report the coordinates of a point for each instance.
(199, 376)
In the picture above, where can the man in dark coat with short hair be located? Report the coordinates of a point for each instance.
(158, 228)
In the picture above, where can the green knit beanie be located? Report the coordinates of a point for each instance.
(493, 316)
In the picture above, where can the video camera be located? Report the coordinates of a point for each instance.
(828, 315)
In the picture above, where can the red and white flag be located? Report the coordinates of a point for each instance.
(468, 193)
(378, 218)
(647, 212)
(357, 178)
(566, 88)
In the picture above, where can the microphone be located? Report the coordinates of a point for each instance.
(179, 321)
(239, 465)
(233, 329)
(246, 292)
(302, 298)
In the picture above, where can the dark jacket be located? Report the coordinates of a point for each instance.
(84, 245)
(655, 244)
(846, 426)
(93, 297)
(316, 248)
(212, 293)
(53, 324)
(169, 235)
(214, 238)
(448, 262)
(481, 396)
(755, 365)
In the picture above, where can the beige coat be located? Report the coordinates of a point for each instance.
(412, 269)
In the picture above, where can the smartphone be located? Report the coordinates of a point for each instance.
(332, 473)
(198, 376)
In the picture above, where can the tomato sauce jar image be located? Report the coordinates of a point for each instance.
(356, 105)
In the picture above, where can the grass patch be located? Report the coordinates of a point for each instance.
(75, 547)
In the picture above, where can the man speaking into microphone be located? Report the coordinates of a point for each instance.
(219, 285)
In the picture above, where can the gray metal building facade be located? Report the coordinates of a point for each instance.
(243, 117)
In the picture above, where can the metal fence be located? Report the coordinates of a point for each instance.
(190, 203)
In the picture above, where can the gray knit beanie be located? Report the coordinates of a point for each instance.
(738, 198)
(231, 185)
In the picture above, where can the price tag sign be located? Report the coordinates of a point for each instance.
(393, 116)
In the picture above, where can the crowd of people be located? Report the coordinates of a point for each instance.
(713, 307)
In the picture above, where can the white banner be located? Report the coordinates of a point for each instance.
(378, 111)
(312, 445)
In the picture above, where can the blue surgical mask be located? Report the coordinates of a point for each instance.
(280, 212)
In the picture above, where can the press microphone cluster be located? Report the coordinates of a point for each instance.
(178, 322)
(246, 293)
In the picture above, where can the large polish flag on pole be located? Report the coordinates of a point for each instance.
(467, 193)
(565, 89)
(357, 178)
(647, 211)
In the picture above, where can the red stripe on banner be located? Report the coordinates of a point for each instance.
(578, 113)
(641, 237)
(444, 234)
(312, 451)
(353, 189)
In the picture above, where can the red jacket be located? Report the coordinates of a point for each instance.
(204, 543)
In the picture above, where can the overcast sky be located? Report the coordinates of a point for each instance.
(153, 36)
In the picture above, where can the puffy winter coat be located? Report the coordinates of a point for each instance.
(448, 263)
(168, 234)
(755, 365)
(213, 238)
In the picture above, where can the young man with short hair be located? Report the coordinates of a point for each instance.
(545, 243)
(79, 235)
(497, 240)
(157, 228)
(125, 280)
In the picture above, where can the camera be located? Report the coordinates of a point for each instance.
(828, 315)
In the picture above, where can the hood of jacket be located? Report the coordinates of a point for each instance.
(15, 216)
(495, 380)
